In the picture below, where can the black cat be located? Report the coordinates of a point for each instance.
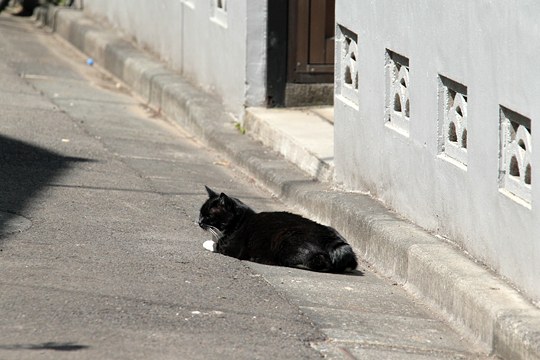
(273, 238)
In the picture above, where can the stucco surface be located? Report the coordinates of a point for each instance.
(484, 45)
(225, 55)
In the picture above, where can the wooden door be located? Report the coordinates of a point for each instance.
(311, 41)
(300, 45)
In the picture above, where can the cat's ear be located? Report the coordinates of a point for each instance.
(225, 200)
(211, 193)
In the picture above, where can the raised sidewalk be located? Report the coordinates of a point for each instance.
(469, 295)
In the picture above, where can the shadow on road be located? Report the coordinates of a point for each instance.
(25, 170)
(355, 273)
(55, 346)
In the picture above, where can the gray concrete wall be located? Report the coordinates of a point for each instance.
(407, 75)
(222, 51)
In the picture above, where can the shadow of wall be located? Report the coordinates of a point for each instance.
(25, 170)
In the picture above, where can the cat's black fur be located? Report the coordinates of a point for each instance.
(274, 238)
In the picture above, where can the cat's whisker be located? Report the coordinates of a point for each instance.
(216, 232)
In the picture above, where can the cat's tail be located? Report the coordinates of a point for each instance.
(343, 258)
(342, 255)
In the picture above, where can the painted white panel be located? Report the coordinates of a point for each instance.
(219, 45)
(446, 185)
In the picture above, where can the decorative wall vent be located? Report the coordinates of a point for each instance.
(515, 154)
(397, 92)
(219, 12)
(222, 5)
(347, 65)
(453, 119)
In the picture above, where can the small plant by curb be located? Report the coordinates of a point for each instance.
(241, 129)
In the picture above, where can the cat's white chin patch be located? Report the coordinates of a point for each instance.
(209, 245)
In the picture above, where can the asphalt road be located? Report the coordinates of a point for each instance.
(113, 265)
(100, 255)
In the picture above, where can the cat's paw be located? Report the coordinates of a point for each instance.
(209, 245)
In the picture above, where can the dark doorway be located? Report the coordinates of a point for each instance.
(311, 41)
(300, 51)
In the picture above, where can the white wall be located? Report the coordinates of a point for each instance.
(223, 52)
(491, 47)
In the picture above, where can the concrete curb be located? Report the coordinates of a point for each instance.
(294, 152)
(470, 296)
